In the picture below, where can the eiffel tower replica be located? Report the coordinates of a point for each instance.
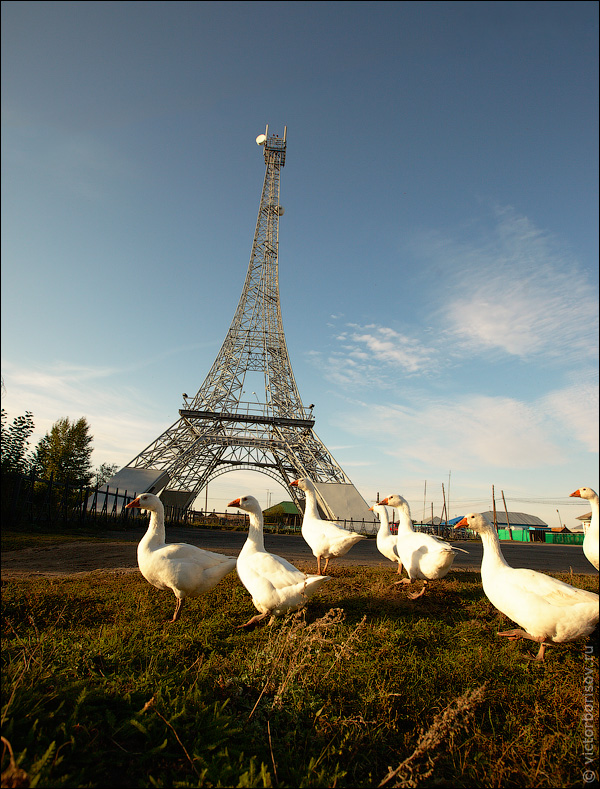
(219, 431)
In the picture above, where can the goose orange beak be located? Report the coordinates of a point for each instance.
(295, 482)
(234, 503)
(576, 493)
(461, 524)
(134, 503)
(384, 501)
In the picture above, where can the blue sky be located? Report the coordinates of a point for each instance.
(438, 252)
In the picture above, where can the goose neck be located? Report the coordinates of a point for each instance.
(492, 552)
(155, 533)
(404, 522)
(310, 507)
(594, 523)
(384, 527)
(255, 537)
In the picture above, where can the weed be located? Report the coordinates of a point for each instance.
(419, 765)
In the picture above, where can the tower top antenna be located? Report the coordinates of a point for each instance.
(274, 146)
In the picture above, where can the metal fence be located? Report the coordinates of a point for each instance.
(29, 501)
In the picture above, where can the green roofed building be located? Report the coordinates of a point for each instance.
(285, 513)
(283, 508)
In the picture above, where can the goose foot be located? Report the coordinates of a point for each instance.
(516, 635)
(540, 654)
(253, 622)
(512, 635)
(418, 594)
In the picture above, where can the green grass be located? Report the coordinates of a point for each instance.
(98, 691)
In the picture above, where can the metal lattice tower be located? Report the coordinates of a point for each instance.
(217, 430)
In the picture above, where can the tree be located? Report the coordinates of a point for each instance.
(15, 443)
(65, 452)
(104, 472)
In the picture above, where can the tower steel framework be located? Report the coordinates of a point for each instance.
(218, 431)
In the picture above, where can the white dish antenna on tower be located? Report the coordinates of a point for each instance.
(261, 139)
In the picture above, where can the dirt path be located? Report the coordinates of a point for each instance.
(117, 552)
(69, 558)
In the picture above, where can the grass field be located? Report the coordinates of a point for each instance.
(363, 688)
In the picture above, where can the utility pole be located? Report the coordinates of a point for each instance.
(507, 520)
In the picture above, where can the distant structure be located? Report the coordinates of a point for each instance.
(516, 520)
(519, 526)
(219, 430)
(584, 524)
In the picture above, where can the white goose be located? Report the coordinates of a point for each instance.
(386, 541)
(423, 555)
(276, 586)
(325, 539)
(590, 541)
(187, 570)
(548, 610)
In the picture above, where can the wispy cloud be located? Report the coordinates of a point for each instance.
(386, 345)
(463, 433)
(122, 419)
(511, 292)
(367, 354)
(573, 411)
(344, 371)
(518, 292)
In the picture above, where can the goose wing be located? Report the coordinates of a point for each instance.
(277, 570)
(182, 552)
(553, 591)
